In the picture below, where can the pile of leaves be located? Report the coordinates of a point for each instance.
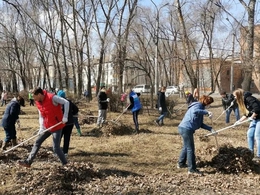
(233, 160)
(114, 128)
(58, 179)
(228, 159)
(87, 117)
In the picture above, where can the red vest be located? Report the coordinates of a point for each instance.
(51, 114)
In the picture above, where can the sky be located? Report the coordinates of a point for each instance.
(147, 2)
(233, 6)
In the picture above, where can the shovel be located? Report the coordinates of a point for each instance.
(32, 137)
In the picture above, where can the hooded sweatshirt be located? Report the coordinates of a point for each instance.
(193, 118)
(252, 104)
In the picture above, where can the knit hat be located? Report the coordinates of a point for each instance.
(61, 93)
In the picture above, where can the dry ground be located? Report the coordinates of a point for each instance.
(127, 164)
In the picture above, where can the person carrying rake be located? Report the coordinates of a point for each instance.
(50, 114)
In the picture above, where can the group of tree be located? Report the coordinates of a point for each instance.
(65, 35)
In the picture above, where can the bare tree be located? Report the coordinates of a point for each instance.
(102, 28)
(248, 50)
(186, 46)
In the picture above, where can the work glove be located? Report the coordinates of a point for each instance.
(210, 115)
(40, 131)
(237, 123)
(108, 99)
(232, 103)
(249, 119)
(213, 132)
(64, 120)
(160, 109)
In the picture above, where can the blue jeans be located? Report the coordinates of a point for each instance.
(188, 148)
(228, 112)
(253, 134)
(10, 132)
(161, 117)
(56, 136)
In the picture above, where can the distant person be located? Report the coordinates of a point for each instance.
(30, 96)
(86, 95)
(134, 105)
(123, 99)
(10, 117)
(3, 97)
(196, 94)
(109, 92)
(50, 114)
(229, 103)
(161, 106)
(249, 106)
(193, 120)
(102, 106)
(189, 98)
(181, 92)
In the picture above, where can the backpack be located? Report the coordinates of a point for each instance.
(74, 108)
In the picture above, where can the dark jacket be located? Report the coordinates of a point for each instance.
(226, 101)
(102, 100)
(190, 99)
(252, 104)
(11, 113)
(162, 101)
(72, 111)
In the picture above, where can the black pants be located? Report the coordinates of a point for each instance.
(66, 133)
(31, 102)
(135, 118)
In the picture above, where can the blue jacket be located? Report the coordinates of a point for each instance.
(11, 113)
(135, 103)
(193, 119)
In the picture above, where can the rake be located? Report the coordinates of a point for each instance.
(215, 135)
(32, 137)
(116, 120)
(225, 128)
(232, 103)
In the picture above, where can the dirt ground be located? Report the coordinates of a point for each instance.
(113, 160)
